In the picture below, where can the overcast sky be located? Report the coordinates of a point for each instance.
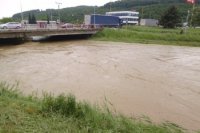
(10, 7)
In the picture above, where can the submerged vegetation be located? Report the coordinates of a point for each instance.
(50, 114)
(151, 35)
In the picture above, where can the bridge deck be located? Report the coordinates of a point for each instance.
(27, 33)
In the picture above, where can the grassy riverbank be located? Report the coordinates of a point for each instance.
(151, 35)
(20, 114)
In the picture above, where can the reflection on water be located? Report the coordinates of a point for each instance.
(60, 38)
(159, 81)
(13, 41)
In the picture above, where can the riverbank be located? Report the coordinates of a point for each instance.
(64, 114)
(151, 35)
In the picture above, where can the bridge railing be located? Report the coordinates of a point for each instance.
(52, 28)
(36, 26)
(58, 26)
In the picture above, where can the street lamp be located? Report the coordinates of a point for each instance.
(22, 18)
(51, 15)
(58, 10)
(110, 5)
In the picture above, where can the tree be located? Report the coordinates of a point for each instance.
(33, 19)
(5, 20)
(171, 18)
(48, 19)
(196, 17)
(29, 19)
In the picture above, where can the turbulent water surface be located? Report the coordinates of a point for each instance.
(162, 82)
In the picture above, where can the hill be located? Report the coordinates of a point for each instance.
(147, 9)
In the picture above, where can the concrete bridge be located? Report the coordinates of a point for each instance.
(27, 34)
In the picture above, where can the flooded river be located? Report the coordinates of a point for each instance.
(162, 82)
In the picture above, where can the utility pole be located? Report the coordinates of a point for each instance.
(187, 19)
(94, 16)
(142, 12)
(58, 10)
(192, 13)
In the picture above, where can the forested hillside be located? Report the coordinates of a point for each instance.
(147, 9)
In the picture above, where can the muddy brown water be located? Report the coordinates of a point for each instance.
(162, 82)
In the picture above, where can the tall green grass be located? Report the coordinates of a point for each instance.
(148, 35)
(21, 114)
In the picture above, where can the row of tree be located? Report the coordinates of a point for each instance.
(32, 19)
(5, 20)
(172, 18)
(196, 17)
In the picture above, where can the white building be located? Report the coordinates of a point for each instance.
(127, 17)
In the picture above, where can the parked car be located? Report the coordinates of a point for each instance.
(67, 25)
(11, 25)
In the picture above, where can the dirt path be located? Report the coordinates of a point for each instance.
(162, 82)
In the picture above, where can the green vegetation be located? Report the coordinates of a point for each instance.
(5, 20)
(20, 114)
(151, 35)
(196, 17)
(151, 8)
(147, 8)
(32, 19)
(171, 18)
